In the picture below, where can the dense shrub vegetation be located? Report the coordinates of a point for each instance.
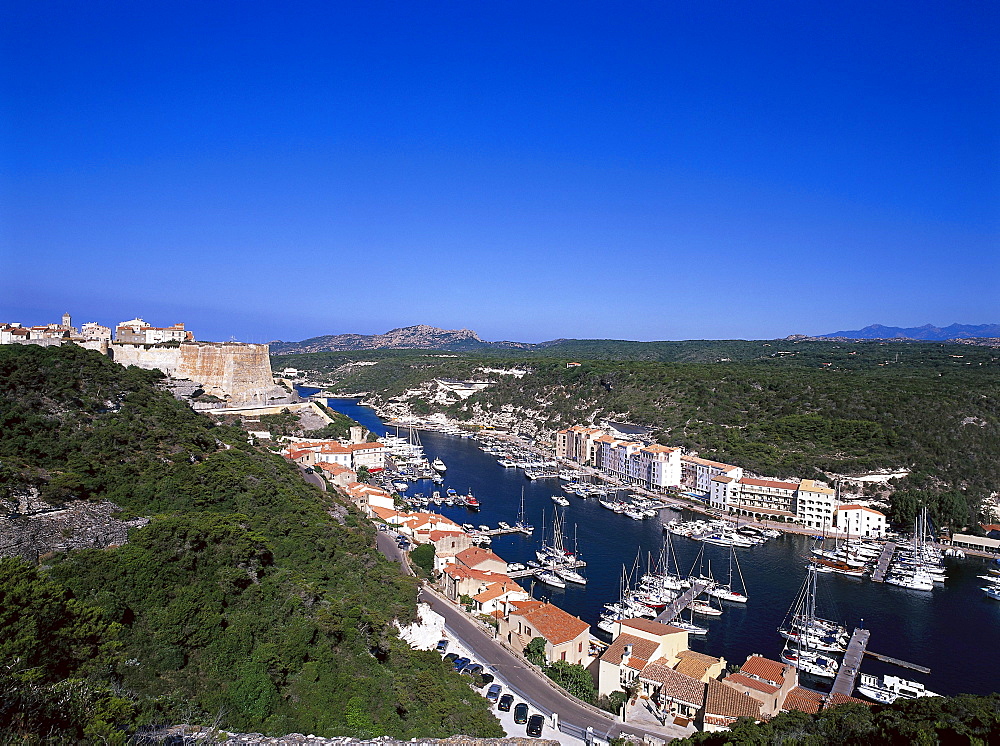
(777, 408)
(965, 719)
(243, 603)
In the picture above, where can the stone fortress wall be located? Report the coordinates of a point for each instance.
(240, 373)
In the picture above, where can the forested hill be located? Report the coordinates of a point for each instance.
(778, 408)
(252, 600)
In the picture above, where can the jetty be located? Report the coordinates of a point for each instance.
(575, 565)
(848, 672)
(882, 566)
(897, 662)
(680, 603)
(505, 531)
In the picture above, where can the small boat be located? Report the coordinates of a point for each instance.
(888, 689)
(689, 627)
(550, 578)
(560, 500)
(705, 609)
(570, 576)
(438, 465)
(471, 502)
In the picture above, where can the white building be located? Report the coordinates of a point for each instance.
(859, 520)
(697, 473)
(815, 504)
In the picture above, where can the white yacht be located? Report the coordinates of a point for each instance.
(888, 689)
(438, 465)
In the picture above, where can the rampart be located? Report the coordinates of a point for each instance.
(239, 373)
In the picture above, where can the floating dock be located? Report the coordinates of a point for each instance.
(848, 672)
(684, 600)
(882, 566)
(505, 531)
(577, 564)
(898, 662)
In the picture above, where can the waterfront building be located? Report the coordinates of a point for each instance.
(655, 467)
(477, 558)
(459, 581)
(448, 545)
(815, 504)
(859, 520)
(637, 643)
(765, 680)
(724, 705)
(567, 638)
(579, 444)
(697, 473)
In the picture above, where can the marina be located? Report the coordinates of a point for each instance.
(905, 625)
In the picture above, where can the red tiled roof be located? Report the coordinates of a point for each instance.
(760, 686)
(728, 702)
(694, 664)
(861, 507)
(675, 685)
(642, 649)
(804, 700)
(764, 668)
(843, 699)
(769, 483)
(552, 623)
(476, 556)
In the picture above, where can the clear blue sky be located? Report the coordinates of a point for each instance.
(647, 170)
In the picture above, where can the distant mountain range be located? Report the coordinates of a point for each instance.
(927, 332)
(420, 337)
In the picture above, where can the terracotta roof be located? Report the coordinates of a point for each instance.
(843, 699)
(476, 556)
(675, 685)
(641, 648)
(439, 534)
(728, 702)
(724, 480)
(769, 483)
(495, 591)
(707, 462)
(694, 664)
(764, 668)
(861, 507)
(760, 686)
(384, 513)
(334, 468)
(648, 625)
(551, 622)
(811, 485)
(659, 449)
(804, 700)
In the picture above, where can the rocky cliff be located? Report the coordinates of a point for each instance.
(238, 373)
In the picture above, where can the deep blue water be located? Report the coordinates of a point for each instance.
(952, 630)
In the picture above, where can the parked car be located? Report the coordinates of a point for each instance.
(472, 669)
(461, 663)
(535, 723)
(451, 657)
(485, 678)
(493, 693)
(521, 713)
(505, 702)
(442, 647)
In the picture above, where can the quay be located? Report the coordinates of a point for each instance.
(848, 672)
(680, 603)
(882, 566)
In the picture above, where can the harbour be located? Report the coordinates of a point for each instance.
(949, 631)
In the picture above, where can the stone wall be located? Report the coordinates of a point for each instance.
(239, 373)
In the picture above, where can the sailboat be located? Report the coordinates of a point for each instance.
(522, 524)
(803, 632)
(568, 574)
(727, 592)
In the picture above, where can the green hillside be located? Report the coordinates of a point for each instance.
(246, 602)
(778, 408)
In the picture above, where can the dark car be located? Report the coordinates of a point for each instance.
(521, 713)
(472, 669)
(484, 679)
(493, 693)
(535, 723)
(451, 657)
(461, 663)
(505, 702)
(442, 646)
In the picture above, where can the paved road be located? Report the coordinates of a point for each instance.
(386, 544)
(313, 478)
(533, 685)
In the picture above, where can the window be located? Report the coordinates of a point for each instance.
(563, 655)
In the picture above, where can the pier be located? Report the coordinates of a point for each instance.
(897, 662)
(882, 566)
(684, 600)
(848, 672)
(505, 531)
(575, 565)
